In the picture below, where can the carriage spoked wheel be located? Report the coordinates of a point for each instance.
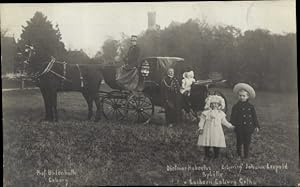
(114, 106)
(139, 108)
(216, 92)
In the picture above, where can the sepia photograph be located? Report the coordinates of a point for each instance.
(201, 93)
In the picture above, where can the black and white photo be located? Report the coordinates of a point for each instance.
(200, 93)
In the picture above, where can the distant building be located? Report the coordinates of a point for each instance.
(152, 21)
(8, 54)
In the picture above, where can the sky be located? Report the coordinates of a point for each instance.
(87, 25)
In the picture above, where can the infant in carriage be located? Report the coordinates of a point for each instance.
(187, 81)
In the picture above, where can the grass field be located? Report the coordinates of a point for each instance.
(74, 151)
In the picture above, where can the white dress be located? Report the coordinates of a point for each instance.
(211, 122)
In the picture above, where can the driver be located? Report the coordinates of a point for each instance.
(131, 59)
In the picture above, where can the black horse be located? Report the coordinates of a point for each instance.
(55, 76)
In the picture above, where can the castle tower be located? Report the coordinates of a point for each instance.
(152, 20)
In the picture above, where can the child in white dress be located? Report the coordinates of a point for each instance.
(187, 81)
(210, 125)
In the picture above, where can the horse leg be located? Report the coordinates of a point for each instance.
(99, 107)
(55, 115)
(96, 98)
(90, 104)
(46, 104)
(52, 101)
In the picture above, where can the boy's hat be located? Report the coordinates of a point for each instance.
(214, 99)
(246, 87)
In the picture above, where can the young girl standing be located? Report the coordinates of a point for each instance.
(210, 125)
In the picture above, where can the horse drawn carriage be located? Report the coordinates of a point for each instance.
(139, 106)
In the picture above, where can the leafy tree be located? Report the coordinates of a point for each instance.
(149, 41)
(110, 48)
(8, 52)
(256, 56)
(40, 33)
(264, 60)
(254, 49)
(285, 54)
(97, 58)
(3, 32)
(123, 46)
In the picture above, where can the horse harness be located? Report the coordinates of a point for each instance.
(80, 76)
(48, 69)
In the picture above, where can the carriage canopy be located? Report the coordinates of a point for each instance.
(157, 70)
(160, 65)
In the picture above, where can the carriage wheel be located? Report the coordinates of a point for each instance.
(215, 92)
(139, 108)
(114, 108)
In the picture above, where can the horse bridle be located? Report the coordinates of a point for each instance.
(28, 49)
(49, 66)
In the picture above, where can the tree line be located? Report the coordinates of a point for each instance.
(265, 60)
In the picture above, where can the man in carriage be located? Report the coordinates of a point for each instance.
(131, 59)
(128, 76)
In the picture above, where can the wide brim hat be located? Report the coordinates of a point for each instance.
(214, 99)
(246, 87)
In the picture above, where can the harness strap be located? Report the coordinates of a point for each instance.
(64, 75)
(65, 69)
(47, 69)
(60, 62)
(80, 76)
(60, 76)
